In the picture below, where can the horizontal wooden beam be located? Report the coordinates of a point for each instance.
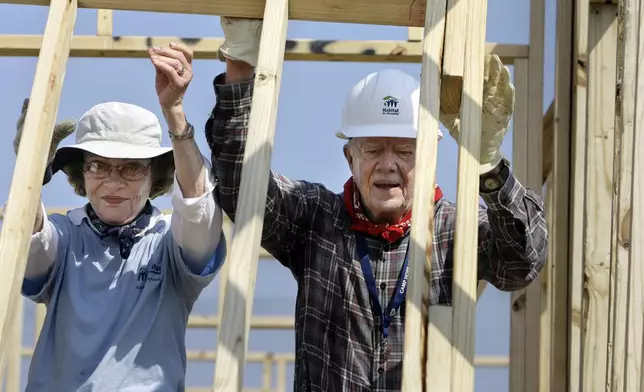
(256, 322)
(206, 48)
(382, 12)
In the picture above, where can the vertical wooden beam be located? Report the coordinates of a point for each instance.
(467, 199)
(520, 169)
(524, 370)
(104, 22)
(424, 187)
(24, 195)
(633, 237)
(240, 286)
(414, 34)
(570, 178)
(627, 244)
(546, 354)
(454, 50)
(534, 180)
(602, 67)
(14, 353)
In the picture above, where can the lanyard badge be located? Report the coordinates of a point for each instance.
(386, 315)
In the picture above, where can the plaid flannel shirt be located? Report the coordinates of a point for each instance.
(339, 346)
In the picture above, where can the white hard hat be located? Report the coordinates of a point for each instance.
(116, 130)
(383, 104)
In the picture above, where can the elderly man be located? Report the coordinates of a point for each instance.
(347, 250)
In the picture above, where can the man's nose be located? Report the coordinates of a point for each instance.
(388, 161)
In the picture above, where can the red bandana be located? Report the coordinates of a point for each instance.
(360, 222)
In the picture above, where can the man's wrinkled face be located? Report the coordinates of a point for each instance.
(383, 169)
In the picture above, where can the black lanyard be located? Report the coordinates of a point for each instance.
(401, 286)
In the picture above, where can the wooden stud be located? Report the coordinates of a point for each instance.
(602, 63)
(518, 341)
(420, 254)
(570, 178)
(627, 252)
(104, 22)
(534, 180)
(633, 236)
(24, 195)
(454, 54)
(466, 235)
(240, 286)
(12, 355)
(414, 34)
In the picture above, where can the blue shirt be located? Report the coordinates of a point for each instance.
(115, 324)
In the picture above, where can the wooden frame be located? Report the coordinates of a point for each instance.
(555, 316)
(104, 45)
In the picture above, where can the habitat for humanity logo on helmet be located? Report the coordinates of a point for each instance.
(391, 106)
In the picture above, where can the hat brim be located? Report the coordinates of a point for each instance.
(107, 149)
(380, 131)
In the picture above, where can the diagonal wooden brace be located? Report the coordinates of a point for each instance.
(24, 195)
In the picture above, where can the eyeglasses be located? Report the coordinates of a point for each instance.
(132, 171)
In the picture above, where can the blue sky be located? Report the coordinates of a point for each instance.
(310, 106)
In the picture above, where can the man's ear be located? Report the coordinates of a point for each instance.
(347, 154)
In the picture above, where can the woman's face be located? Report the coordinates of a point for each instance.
(117, 189)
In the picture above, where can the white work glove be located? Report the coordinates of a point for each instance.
(242, 39)
(498, 106)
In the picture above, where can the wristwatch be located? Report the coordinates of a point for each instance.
(494, 180)
(188, 133)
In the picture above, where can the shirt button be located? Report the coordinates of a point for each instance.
(382, 286)
(381, 370)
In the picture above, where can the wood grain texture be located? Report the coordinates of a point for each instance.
(104, 23)
(602, 61)
(467, 199)
(26, 184)
(240, 285)
(455, 30)
(382, 12)
(534, 180)
(628, 230)
(206, 48)
(555, 365)
(635, 354)
(423, 205)
(518, 353)
(570, 179)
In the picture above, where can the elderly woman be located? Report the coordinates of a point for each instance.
(119, 278)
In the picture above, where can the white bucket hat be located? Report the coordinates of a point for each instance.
(115, 130)
(383, 104)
